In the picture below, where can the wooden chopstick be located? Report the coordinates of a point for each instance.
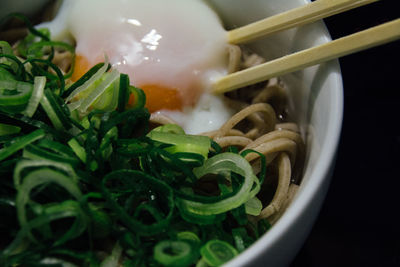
(296, 17)
(374, 36)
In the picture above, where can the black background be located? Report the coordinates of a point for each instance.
(359, 222)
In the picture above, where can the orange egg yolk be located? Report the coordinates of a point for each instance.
(158, 97)
(81, 66)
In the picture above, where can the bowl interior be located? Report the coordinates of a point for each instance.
(316, 103)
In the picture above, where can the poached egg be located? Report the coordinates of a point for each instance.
(173, 50)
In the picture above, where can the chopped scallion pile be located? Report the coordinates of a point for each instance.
(85, 181)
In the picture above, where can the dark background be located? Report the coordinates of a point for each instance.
(359, 221)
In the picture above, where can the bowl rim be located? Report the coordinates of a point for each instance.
(319, 175)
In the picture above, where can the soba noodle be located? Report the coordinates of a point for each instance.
(258, 125)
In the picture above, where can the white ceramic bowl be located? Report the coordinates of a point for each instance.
(316, 102)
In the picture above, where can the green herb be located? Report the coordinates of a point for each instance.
(83, 176)
(217, 252)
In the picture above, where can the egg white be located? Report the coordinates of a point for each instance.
(175, 43)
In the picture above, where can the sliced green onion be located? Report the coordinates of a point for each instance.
(130, 120)
(40, 163)
(6, 129)
(173, 253)
(253, 206)
(123, 95)
(20, 143)
(31, 39)
(216, 252)
(56, 147)
(15, 65)
(57, 82)
(37, 94)
(66, 209)
(164, 165)
(240, 215)
(52, 212)
(263, 168)
(217, 148)
(74, 105)
(40, 177)
(27, 124)
(139, 98)
(199, 219)
(169, 128)
(5, 49)
(113, 259)
(241, 238)
(192, 159)
(99, 90)
(54, 111)
(85, 78)
(48, 108)
(88, 82)
(14, 92)
(38, 152)
(35, 50)
(87, 258)
(133, 147)
(136, 179)
(6, 75)
(52, 261)
(263, 226)
(107, 100)
(189, 236)
(256, 187)
(101, 222)
(238, 234)
(182, 142)
(105, 145)
(182, 194)
(202, 263)
(221, 163)
(78, 149)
